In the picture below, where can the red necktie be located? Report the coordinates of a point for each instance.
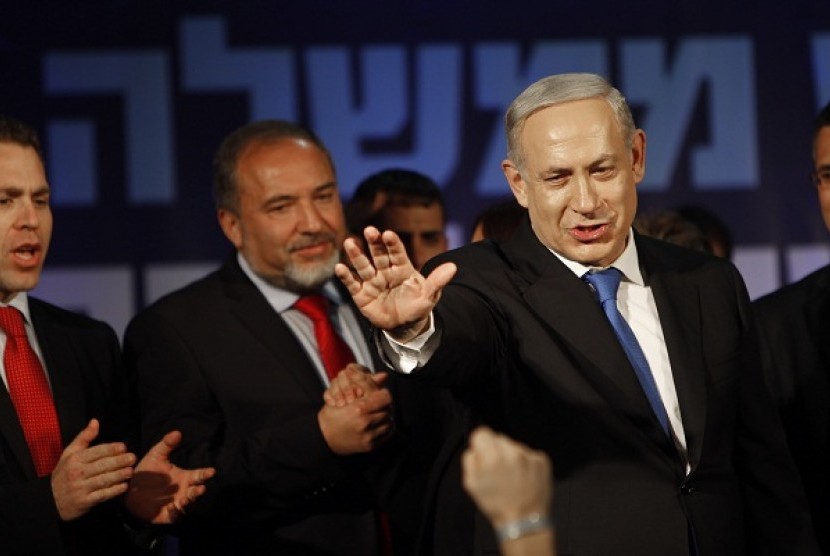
(334, 352)
(30, 394)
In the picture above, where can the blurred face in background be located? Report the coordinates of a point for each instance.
(420, 227)
(822, 170)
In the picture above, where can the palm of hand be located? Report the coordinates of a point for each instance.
(395, 297)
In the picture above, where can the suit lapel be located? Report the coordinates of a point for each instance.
(253, 312)
(567, 306)
(13, 434)
(63, 368)
(678, 304)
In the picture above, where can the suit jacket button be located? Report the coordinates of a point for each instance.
(687, 489)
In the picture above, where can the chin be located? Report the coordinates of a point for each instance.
(310, 276)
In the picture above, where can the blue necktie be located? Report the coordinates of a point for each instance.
(606, 283)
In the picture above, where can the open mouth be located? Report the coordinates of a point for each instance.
(26, 254)
(588, 233)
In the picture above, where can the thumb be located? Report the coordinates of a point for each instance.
(379, 378)
(84, 438)
(439, 278)
(164, 447)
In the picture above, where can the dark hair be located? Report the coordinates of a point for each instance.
(822, 121)
(400, 188)
(14, 131)
(713, 228)
(225, 191)
(498, 221)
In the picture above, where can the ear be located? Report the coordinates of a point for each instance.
(515, 181)
(638, 155)
(230, 225)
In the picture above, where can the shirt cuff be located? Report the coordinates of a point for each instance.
(406, 357)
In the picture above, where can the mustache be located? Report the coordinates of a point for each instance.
(312, 239)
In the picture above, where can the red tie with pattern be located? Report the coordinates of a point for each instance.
(30, 393)
(334, 352)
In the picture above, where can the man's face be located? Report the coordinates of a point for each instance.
(290, 221)
(578, 181)
(822, 159)
(420, 227)
(25, 219)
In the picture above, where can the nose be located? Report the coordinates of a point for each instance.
(585, 199)
(310, 219)
(27, 216)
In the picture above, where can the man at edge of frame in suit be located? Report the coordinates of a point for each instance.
(68, 484)
(794, 326)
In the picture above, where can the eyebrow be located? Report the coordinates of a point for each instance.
(284, 198)
(325, 186)
(16, 191)
(602, 159)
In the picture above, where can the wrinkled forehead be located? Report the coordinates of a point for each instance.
(562, 128)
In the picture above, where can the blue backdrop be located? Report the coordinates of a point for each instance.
(132, 98)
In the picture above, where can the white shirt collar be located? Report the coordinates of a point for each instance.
(628, 262)
(281, 299)
(20, 302)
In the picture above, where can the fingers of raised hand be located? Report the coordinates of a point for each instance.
(379, 247)
(361, 263)
(395, 253)
(344, 274)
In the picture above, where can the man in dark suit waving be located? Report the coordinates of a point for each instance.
(630, 361)
(64, 464)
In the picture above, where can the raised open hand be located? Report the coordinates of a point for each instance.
(387, 289)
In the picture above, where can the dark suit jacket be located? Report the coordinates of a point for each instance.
(83, 361)
(527, 345)
(215, 361)
(794, 325)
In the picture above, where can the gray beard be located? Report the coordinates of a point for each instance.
(310, 277)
